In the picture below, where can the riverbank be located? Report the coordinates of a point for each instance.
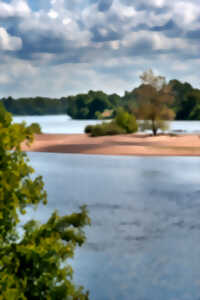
(132, 144)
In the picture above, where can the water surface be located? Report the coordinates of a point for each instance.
(57, 123)
(144, 242)
(64, 124)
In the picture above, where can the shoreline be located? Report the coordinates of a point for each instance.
(128, 144)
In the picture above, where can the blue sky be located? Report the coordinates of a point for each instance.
(59, 47)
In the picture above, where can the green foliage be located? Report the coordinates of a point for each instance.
(88, 129)
(35, 106)
(36, 128)
(181, 104)
(187, 101)
(32, 265)
(106, 129)
(126, 121)
(123, 123)
(91, 105)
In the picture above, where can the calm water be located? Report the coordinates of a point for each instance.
(57, 123)
(64, 124)
(144, 242)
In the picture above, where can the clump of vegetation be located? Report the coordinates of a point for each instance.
(126, 121)
(88, 129)
(106, 129)
(32, 265)
(36, 128)
(123, 123)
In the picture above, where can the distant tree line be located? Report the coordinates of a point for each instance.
(35, 106)
(185, 104)
(97, 104)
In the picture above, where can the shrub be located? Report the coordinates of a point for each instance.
(123, 123)
(106, 129)
(98, 130)
(88, 129)
(126, 121)
(113, 128)
(36, 128)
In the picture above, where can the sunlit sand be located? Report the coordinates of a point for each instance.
(132, 144)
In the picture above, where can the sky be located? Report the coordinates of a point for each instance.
(58, 48)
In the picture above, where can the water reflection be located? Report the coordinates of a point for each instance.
(144, 242)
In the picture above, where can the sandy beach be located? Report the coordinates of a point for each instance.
(132, 144)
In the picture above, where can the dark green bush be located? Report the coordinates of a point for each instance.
(88, 128)
(106, 129)
(123, 123)
(113, 128)
(98, 130)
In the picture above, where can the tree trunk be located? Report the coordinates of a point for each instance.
(154, 131)
(154, 128)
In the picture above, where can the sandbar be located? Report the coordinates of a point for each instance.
(127, 144)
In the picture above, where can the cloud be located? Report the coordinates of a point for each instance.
(82, 37)
(104, 5)
(9, 43)
(16, 8)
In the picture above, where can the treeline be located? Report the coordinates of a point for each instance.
(97, 104)
(92, 105)
(185, 104)
(35, 106)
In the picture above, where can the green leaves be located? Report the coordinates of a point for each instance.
(126, 121)
(33, 266)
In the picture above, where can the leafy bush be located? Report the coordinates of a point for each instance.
(123, 123)
(106, 129)
(113, 128)
(97, 130)
(36, 128)
(88, 129)
(126, 121)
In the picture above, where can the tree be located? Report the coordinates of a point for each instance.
(32, 264)
(182, 104)
(153, 100)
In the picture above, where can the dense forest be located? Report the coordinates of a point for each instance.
(97, 104)
(35, 106)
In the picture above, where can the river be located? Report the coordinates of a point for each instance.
(144, 242)
(64, 124)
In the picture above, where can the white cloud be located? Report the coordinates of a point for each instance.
(21, 7)
(17, 8)
(115, 45)
(66, 21)
(53, 14)
(6, 10)
(4, 78)
(161, 42)
(185, 13)
(8, 42)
